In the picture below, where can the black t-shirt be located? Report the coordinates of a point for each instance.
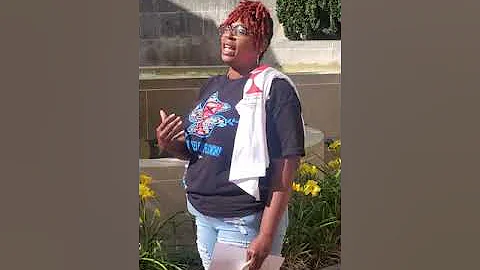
(210, 130)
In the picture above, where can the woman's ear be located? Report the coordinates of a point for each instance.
(263, 47)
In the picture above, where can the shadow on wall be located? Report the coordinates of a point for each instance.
(171, 35)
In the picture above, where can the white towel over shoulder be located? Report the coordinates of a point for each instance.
(250, 158)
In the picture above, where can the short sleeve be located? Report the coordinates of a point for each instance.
(285, 130)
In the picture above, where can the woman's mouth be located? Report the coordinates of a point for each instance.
(228, 49)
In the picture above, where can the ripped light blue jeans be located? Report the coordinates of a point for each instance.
(235, 231)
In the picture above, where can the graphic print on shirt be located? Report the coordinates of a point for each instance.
(204, 119)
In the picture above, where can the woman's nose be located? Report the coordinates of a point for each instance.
(228, 34)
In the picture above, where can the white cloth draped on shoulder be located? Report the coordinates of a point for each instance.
(250, 158)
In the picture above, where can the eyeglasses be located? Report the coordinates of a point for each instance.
(237, 30)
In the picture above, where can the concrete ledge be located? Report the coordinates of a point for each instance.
(194, 76)
(163, 169)
(318, 52)
(161, 162)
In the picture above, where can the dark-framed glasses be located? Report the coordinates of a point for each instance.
(237, 30)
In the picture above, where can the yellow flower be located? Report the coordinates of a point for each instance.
(311, 187)
(335, 145)
(296, 187)
(145, 192)
(302, 170)
(156, 212)
(307, 170)
(145, 179)
(335, 164)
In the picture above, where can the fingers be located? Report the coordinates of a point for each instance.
(173, 128)
(252, 258)
(249, 255)
(170, 128)
(257, 262)
(163, 115)
(179, 135)
(178, 127)
(253, 264)
(246, 265)
(166, 134)
(249, 260)
(167, 120)
(256, 259)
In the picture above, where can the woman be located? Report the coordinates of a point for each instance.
(249, 210)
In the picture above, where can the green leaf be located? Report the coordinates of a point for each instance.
(157, 264)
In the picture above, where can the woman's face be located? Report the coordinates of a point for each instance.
(238, 45)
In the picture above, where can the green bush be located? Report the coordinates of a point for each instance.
(153, 253)
(310, 19)
(313, 234)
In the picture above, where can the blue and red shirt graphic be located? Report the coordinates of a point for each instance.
(205, 118)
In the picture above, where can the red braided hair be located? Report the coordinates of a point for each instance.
(256, 18)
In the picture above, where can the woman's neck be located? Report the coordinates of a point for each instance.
(237, 73)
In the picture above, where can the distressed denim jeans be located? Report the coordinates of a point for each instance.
(235, 231)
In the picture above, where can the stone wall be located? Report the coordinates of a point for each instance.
(184, 33)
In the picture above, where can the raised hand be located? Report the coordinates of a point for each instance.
(169, 130)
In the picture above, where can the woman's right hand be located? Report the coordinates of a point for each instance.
(169, 130)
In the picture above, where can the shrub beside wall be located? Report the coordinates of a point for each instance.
(310, 19)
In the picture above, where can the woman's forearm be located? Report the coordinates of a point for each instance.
(283, 174)
(273, 213)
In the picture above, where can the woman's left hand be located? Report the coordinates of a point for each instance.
(258, 250)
